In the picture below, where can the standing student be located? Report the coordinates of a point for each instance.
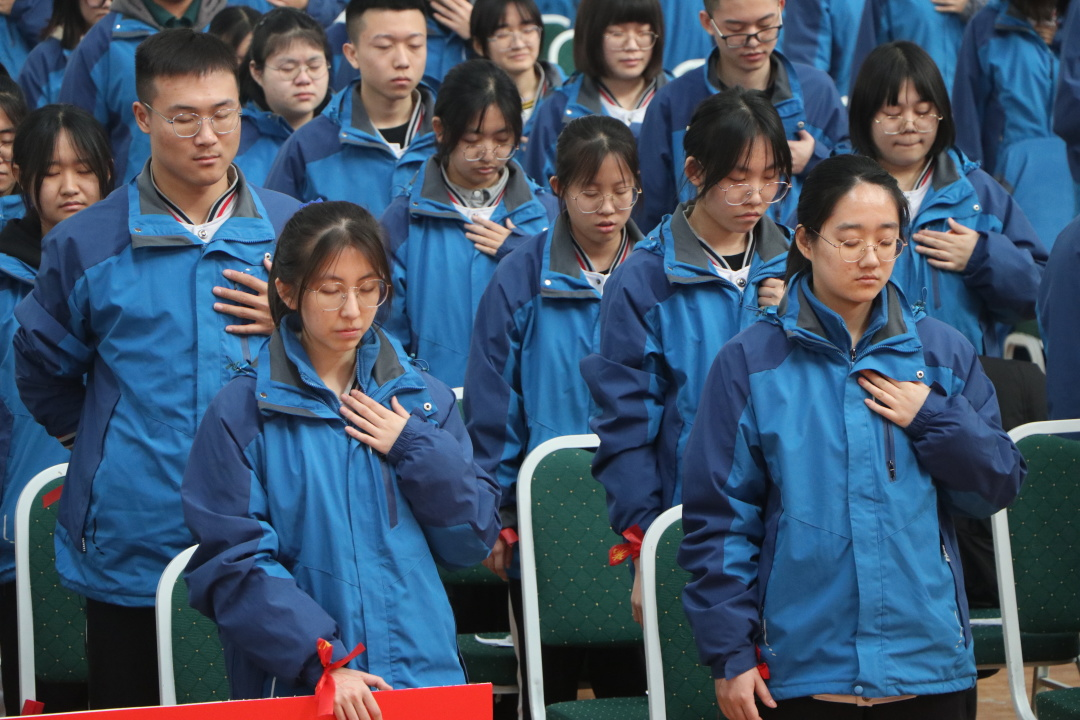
(745, 34)
(467, 208)
(129, 334)
(376, 133)
(12, 111)
(234, 25)
(44, 68)
(326, 482)
(285, 81)
(62, 161)
(976, 260)
(619, 55)
(709, 270)
(835, 442)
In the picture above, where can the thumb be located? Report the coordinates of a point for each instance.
(762, 691)
(955, 226)
(397, 407)
(510, 224)
(804, 135)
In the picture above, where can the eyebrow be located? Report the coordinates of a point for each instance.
(391, 36)
(857, 226)
(191, 108)
(335, 278)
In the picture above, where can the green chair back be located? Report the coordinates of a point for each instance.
(553, 25)
(561, 51)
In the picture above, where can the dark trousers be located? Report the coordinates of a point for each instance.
(121, 650)
(949, 706)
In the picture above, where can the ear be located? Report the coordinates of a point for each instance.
(286, 293)
(556, 188)
(478, 48)
(802, 240)
(142, 116)
(706, 21)
(694, 172)
(256, 74)
(782, 3)
(438, 128)
(349, 51)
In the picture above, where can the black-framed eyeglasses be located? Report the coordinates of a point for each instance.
(369, 294)
(853, 249)
(187, 125)
(738, 40)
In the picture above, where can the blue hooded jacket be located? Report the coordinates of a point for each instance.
(439, 275)
(43, 73)
(340, 155)
(805, 98)
(998, 287)
(664, 316)
(262, 135)
(822, 33)
(305, 533)
(818, 533)
(119, 341)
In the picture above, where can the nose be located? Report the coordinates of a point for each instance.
(870, 256)
(401, 57)
(351, 308)
(206, 134)
(69, 183)
(304, 76)
(607, 207)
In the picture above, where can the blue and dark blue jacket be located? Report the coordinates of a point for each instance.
(262, 133)
(998, 287)
(664, 316)
(1003, 99)
(683, 37)
(579, 96)
(25, 448)
(1058, 306)
(305, 533)
(938, 33)
(340, 155)
(11, 207)
(1067, 94)
(805, 98)
(822, 33)
(19, 32)
(438, 274)
(119, 342)
(43, 72)
(819, 534)
(537, 319)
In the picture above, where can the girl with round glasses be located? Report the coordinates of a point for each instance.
(619, 54)
(43, 70)
(284, 82)
(326, 484)
(709, 270)
(466, 209)
(835, 441)
(975, 260)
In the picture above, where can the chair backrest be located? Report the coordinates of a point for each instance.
(1037, 545)
(561, 51)
(191, 663)
(572, 597)
(687, 65)
(52, 619)
(680, 687)
(553, 25)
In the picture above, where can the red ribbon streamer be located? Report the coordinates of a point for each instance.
(762, 666)
(618, 554)
(52, 496)
(326, 689)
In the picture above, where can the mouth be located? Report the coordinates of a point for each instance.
(753, 57)
(206, 159)
(73, 206)
(304, 96)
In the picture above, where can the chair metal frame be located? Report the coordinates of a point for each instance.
(1014, 660)
(1030, 343)
(654, 658)
(163, 613)
(23, 589)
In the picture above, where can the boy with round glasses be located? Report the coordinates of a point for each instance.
(122, 345)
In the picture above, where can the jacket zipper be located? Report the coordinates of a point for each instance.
(890, 450)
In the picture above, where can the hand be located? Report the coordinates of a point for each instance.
(298, 4)
(770, 291)
(499, 559)
(5, 6)
(950, 6)
(635, 593)
(353, 699)
(488, 236)
(947, 250)
(801, 151)
(379, 426)
(897, 401)
(254, 307)
(453, 15)
(736, 696)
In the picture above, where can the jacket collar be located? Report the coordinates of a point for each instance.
(137, 10)
(779, 88)
(347, 110)
(686, 262)
(561, 275)
(433, 193)
(269, 124)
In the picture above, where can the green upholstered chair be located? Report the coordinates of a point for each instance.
(553, 25)
(191, 663)
(561, 51)
(572, 597)
(680, 687)
(1037, 546)
(52, 619)
(485, 663)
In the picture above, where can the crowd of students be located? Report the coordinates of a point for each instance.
(765, 283)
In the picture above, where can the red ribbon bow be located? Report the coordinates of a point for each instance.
(509, 536)
(325, 690)
(618, 554)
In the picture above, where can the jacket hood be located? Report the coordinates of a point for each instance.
(347, 111)
(561, 275)
(431, 195)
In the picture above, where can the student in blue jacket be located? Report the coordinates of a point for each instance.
(12, 111)
(61, 156)
(43, 70)
(822, 33)
(466, 209)
(976, 260)
(708, 271)
(835, 442)
(285, 80)
(510, 33)
(745, 34)
(147, 303)
(619, 55)
(376, 133)
(1003, 97)
(326, 483)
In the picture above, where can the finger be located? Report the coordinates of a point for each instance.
(268, 261)
(240, 311)
(250, 329)
(376, 681)
(246, 279)
(942, 264)
(482, 238)
(398, 408)
(762, 691)
(510, 224)
(487, 250)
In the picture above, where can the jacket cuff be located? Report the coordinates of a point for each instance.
(736, 665)
(313, 669)
(405, 439)
(933, 406)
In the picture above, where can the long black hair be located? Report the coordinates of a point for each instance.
(468, 90)
(275, 31)
(586, 142)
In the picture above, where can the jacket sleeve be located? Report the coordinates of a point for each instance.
(1007, 265)
(235, 577)
(1059, 322)
(395, 222)
(629, 383)
(725, 493)
(288, 173)
(34, 79)
(957, 434)
(454, 500)
(826, 113)
(86, 71)
(659, 191)
(971, 95)
(808, 34)
(325, 11)
(1067, 95)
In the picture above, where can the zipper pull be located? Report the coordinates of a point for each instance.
(945, 553)
(852, 354)
(892, 470)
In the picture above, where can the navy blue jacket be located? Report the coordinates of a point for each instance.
(43, 72)
(822, 33)
(262, 135)
(1059, 308)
